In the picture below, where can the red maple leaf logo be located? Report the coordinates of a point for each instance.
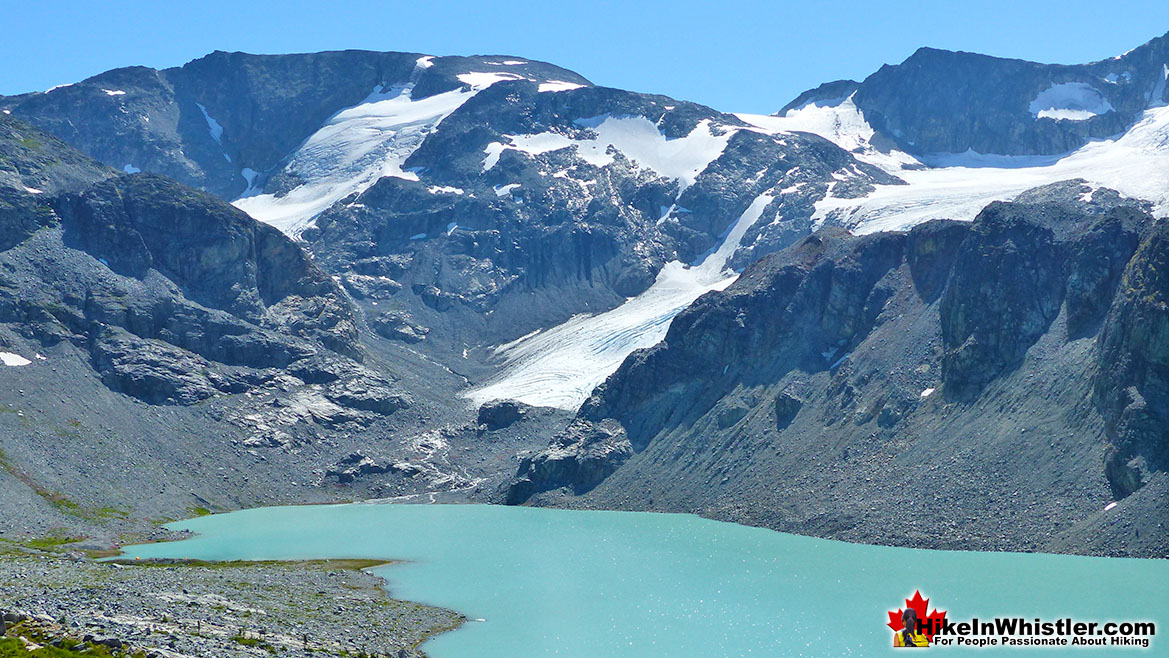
(919, 606)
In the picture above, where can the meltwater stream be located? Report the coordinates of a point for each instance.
(576, 584)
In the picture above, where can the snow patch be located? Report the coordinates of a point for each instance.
(839, 121)
(483, 80)
(557, 85)
(1109, 506)
(33, 190)
(1069, 101)
(131, 169)
(504, 190)
(635, 137)
(444, 189)
(927, 392)
(112, 92)
(11, 359)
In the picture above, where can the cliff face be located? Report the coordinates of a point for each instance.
(929, 388)
(1132, 384)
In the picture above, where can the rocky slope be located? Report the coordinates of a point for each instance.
(955, 386)
(164, 352)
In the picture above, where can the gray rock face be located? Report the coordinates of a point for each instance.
(399, 325)
(31, 159)
(178, 297)
(939, 101)
(579, 458)
(1132, 384)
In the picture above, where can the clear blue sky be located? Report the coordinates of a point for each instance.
(750, 56)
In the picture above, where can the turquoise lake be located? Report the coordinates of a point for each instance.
(575, 584)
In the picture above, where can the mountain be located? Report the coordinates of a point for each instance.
(488, 278)
(939, 101)
(963, 376)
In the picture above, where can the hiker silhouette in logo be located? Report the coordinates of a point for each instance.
(909, 636)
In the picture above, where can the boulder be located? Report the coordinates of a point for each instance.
(499, 414)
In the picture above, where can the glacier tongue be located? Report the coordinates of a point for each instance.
(561, 366)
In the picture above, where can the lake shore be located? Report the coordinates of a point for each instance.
(232, 609)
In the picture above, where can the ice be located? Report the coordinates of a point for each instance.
(354, 148)
(561, 366)
(359, 145)
(557, 85)
(958, 186)
(131, 169)
(213, 126)
(109, 92)
(10, 359)
(1069, 101)
(636, 137)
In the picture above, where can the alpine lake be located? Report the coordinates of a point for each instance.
(582, 584)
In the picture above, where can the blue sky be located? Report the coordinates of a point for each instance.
(735, 56)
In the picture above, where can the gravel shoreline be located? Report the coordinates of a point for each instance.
(230, 609)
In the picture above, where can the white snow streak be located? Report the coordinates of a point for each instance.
(10, 359)
(561, 366)
(213, 126)
(557, 85)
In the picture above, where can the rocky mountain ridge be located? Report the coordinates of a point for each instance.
(457, 231)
